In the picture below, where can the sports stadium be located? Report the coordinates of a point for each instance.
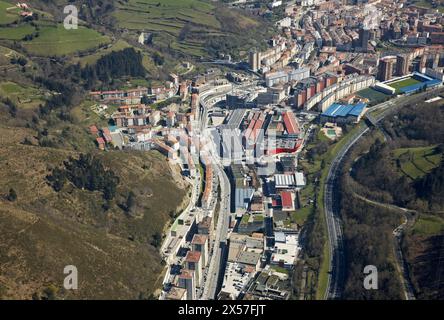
(408, 84)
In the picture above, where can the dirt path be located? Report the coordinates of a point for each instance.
(410, 217)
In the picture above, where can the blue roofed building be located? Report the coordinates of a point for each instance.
(242, 199)
(344, 113)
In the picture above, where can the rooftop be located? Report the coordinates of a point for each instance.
(344, 110)
(199, 239)
(248, 258)
(176, 293)
(186, 274)
(193, 256)
(287, 199)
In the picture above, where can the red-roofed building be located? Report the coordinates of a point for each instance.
(186, 281)
(287, 201)
(100, 143)
(193, 261)
(93, 130)
(171, 119)
(291, 123)
(107, 135)
(200, 244)
(276, 203)
(194, 100)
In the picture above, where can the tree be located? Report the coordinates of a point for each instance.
(156, 240)
(158, 58)
(88, 173)
(12, 195)
(130, 201)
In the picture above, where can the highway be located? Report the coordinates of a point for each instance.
(336, 272)
(221, 233)
(220, 241)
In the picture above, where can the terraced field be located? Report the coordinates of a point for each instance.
(416, 162)
(167, 15)
(167, 20)
(8, 12)
(182, 26)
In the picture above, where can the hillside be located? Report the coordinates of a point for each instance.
(46, 72)
(188, 28)
(406, 171)
(44, 230)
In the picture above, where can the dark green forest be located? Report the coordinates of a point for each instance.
(87, 173)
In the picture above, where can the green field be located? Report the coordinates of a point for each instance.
(8, 16)
(300, 216)
(397, 85)
(416, 162)
(182, 26)
(428, 225)
(279, 269)
(59, 41)
(16, 33)
(374, 96)
(25, 98)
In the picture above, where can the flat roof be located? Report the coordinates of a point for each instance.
(249, 258)
(186, 274)
(287, 199)
(243, 197)
(299, 177)
(176, 293)
(199, 239)
(192, 256)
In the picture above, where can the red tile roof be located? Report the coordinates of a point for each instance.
(192, 256)
(199, 239)
(100, 140)
(93, 129)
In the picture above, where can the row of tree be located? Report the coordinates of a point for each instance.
(117, 64)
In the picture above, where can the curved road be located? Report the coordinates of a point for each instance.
(220, 238)
(336, 272)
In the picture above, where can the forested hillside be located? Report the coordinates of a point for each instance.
(405, 172)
